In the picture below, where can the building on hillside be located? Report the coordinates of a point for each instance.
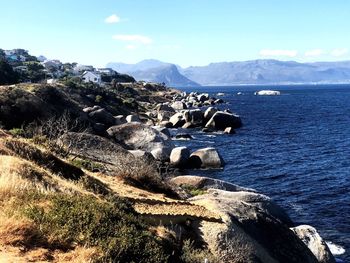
(52, 64)
(106, 71)
(90, 76)
(78, 69)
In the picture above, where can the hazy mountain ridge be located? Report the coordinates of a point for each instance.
(155, 71)
(246, 72)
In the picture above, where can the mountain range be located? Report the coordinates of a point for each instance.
(264, 71)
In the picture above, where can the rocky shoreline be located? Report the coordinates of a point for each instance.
(236, 224)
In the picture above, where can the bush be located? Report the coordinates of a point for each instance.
(112, 226)
(18, 132)
(190, 254)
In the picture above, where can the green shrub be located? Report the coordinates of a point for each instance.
(19, 132)
(98, 98)
(87, 164)
(190, 254)
(193, 191)
(112, 226)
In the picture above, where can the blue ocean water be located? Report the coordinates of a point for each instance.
(294, 148)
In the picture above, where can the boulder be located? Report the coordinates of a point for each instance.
(218, 101)
(194, 116)
(206, 158)
(178, 105)
(229, 130)
(252, 229)
(179, 156)
(96, 148)
(166, 124)
(315, 243)
(267, 93)
(119, 119)
(209, 113)
(203, 97)
(163, 130)
(132, 118)
(221, 120)
(164, 115)
(177, 120)
(137, 136)
(205, 183)
(188, 125)
(102, 116)
(165, 107)
(142, 155)
(90, 109)
(184, 136)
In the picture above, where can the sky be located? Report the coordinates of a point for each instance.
(184, 32)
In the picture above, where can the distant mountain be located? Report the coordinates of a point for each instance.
(154, 71)
(266, 71)
(269, 72)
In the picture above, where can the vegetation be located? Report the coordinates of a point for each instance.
(193, 191)
(7, 74)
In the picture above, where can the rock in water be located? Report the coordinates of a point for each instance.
(267, 93)
(179, 156)
(315, 243)
(221, 120)
(137, 136)
(206, 158)
(209, 113)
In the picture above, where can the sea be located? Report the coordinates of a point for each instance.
(294, 147)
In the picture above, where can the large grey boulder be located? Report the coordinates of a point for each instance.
(137, 136)
(315, 243)
(177, 120)
(164, 115)
(178, 105)
(94, 148)
(251, 230)
(132, 118)
(165, 107)
(102, 116)
(209, 113)
(221, 120)
(205, 183)
(90, 109)
(179, 156)
(206, 158)
(194, 116)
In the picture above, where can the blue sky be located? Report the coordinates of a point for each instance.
(185, 32)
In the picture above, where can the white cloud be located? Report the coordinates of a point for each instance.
(314, 52)
(112, 19)
(134, 38)
(278, 53)
(338, 52)
(131, 47)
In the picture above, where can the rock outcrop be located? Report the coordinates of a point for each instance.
(253, 229)
(205, 183)
(221, 120)
(137, 136)
(315, 243)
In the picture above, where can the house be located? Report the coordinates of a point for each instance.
(89, 76)
(78, 69)
(52, 64)
(106, 71)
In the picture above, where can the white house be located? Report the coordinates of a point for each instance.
(107, 71)
(89, 76)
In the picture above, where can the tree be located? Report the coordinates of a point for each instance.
(7, 74)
